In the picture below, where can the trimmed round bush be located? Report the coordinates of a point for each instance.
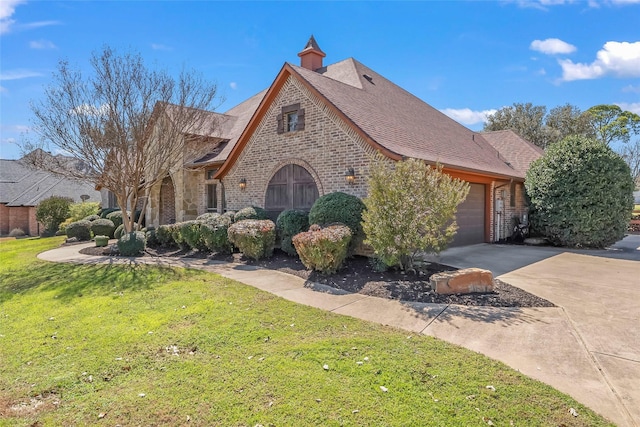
(164, 235)
(215, 234)
(132, 244)
(91, 218)
(254, 237)
(116, 217)
(581, 194)
(81, 230)
(101, 241)
(119, 231)
(323, 249)
(252, 212)
(230, 214)
(150, 235)
(340, 208)
(288, 224)
(106, 211)
(207, 217)
(102, 227)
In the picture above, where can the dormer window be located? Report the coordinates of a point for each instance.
(291, 119)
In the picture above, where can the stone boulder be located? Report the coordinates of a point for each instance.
(465, 281)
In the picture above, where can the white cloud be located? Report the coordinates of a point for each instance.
(38, 24)
(466, 116)
(552, 46)
(233, 85)
(7, 8)
(620, 59)
(42, 44)
(634, 107)
(159, 46)
(18, 74)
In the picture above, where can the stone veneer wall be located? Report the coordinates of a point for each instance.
(326, 148)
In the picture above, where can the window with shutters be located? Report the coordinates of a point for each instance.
(291, 119)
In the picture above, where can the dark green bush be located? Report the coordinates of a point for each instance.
(52, 212)
(119, 231)
(106, 211)
(252, 212)
(288, 224)
(79, 229)
(340, 208)
(254, 237)
(101, 241)
(132, 244)
(116, 217)
(102, 227)
(323, 249)
(151, 236)
(190, 233)
(91, 218)
(214, 233)
(581, 194)
(165, 236)
(178, 238)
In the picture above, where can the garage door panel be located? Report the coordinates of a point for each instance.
(471, 217)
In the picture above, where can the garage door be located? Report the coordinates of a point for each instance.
(470, 217)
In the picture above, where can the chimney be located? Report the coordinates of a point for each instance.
(311, 56)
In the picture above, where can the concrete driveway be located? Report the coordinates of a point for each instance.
(590, 346)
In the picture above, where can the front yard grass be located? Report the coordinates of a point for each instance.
(141, 345)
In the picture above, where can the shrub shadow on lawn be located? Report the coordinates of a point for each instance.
(72, 281)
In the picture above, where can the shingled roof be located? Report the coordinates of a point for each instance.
(518, 151)
(21, 185)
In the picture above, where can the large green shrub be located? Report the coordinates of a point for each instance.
(341, 208)
(116, 217)
(209, 216)
(132, 244)
(92, 218)
(106, 211)
(178, 238)
(52, 211)
(254, 237)
(581, 194)
(151, 236)
(190, 233)
(323, 249)
(102, 227)
(411, 209)
(252, 212)
(288, 224)
(81, 230)
(214, 234)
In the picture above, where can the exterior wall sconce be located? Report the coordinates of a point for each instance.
(243, 184)
(350, 176)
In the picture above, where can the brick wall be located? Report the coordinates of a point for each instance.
(509, 212)
(325, 148)
(23, 217)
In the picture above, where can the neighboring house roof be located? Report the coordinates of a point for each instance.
(518, 151)
(21, 185)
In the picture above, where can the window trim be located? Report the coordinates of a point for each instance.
(283, 118)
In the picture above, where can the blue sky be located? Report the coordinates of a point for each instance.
(464, 58)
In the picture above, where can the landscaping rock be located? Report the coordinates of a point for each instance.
(466, 281)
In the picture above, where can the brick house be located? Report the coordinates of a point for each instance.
(23, 188)
(312, 132)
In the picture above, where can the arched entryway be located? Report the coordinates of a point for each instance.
(167, 202)
(292, 187)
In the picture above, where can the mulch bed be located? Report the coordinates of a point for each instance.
(359, 276)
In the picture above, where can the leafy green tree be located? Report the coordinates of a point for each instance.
(581, 193)
(51, 212)
(411, 209)
(566, 120)
(610, 123)
(525, 119)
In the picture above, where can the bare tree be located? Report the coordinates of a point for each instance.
(125, 123)
(631, 154)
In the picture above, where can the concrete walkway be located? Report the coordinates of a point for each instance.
(587, 347)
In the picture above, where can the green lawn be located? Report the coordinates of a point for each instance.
(138, 345)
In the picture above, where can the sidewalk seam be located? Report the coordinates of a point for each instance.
(600, 369)
(435, 318)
